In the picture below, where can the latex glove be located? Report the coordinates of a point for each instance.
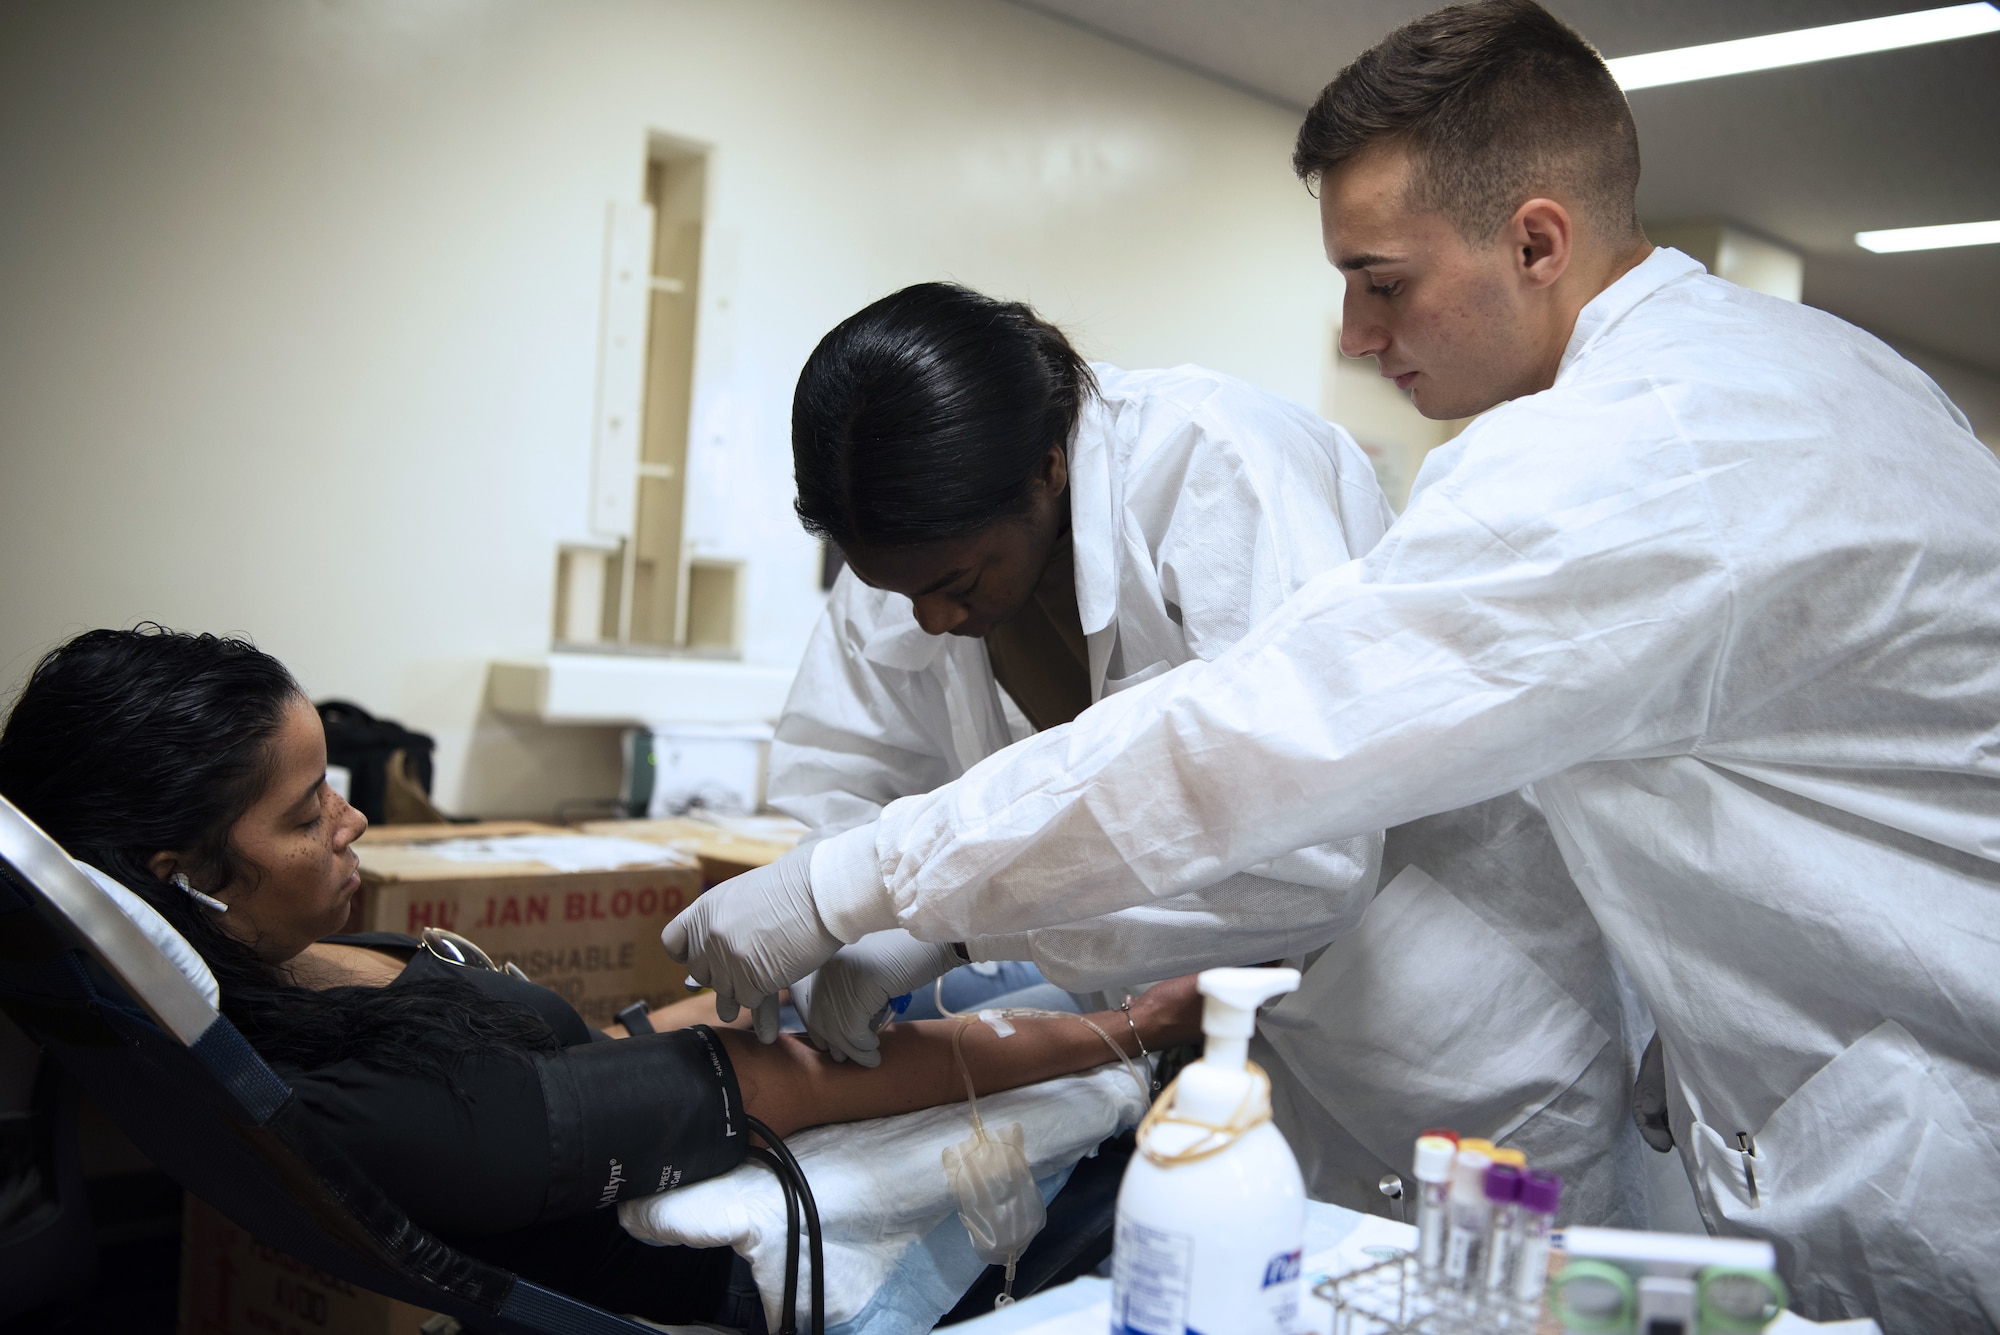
(765, 1017)
(751, 935)
(847, 1000)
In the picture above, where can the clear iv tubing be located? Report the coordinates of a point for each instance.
(1023, 1013)
(997, 1018)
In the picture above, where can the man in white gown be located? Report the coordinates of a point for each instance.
(1717, 575)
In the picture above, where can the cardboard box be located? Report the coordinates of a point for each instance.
(725, 846)
(591, 936)
(232, 1284)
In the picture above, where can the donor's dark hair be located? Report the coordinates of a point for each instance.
(925, 416)
(128, 743)
(1496, 101)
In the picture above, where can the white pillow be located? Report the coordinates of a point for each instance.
(161, 933)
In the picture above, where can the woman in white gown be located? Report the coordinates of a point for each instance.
(1025, 535)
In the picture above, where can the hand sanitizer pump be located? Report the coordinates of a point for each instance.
(1211, 1215)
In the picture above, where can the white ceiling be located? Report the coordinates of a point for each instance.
(1808, 155)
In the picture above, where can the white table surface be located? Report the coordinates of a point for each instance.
(1337, 1240)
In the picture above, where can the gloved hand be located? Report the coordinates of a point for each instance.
(751, 935)
(848, 998)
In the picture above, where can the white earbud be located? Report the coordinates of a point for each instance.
(180, 881)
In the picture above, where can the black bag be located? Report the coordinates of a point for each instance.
(362, 743)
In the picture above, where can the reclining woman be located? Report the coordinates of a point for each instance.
(192, 769)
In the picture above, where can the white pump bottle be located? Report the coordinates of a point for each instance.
(1211, 1215)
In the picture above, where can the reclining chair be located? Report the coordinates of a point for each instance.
(45, 1241)
(84, 980)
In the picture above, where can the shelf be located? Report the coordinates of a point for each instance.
(633, 689)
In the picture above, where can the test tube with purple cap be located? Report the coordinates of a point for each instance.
(1534, 1221)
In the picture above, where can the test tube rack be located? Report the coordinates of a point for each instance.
(1393, 1297)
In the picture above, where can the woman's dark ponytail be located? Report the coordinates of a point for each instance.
(926, 415)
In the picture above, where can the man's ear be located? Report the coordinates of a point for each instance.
(1541, 234)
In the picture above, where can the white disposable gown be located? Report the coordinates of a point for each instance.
(1198, 505)
(1728, 596)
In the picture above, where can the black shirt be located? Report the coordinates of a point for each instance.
(518, 1156)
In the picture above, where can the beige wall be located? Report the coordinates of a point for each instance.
(299, 302)
(1974, 389)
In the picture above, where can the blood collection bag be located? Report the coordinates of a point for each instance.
(997, 1197)
(998, 1201)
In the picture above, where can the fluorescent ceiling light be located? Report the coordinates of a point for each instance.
(1930, 238)
(1804, 46)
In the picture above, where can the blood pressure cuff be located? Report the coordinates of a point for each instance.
(515, 1139)
(638, 1116)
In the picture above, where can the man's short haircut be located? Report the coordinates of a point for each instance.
(1496, 101)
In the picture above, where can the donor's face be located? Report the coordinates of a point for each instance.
(297, 837)
(1450, 323)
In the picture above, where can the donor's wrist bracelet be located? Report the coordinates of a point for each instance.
(1133, 1026)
